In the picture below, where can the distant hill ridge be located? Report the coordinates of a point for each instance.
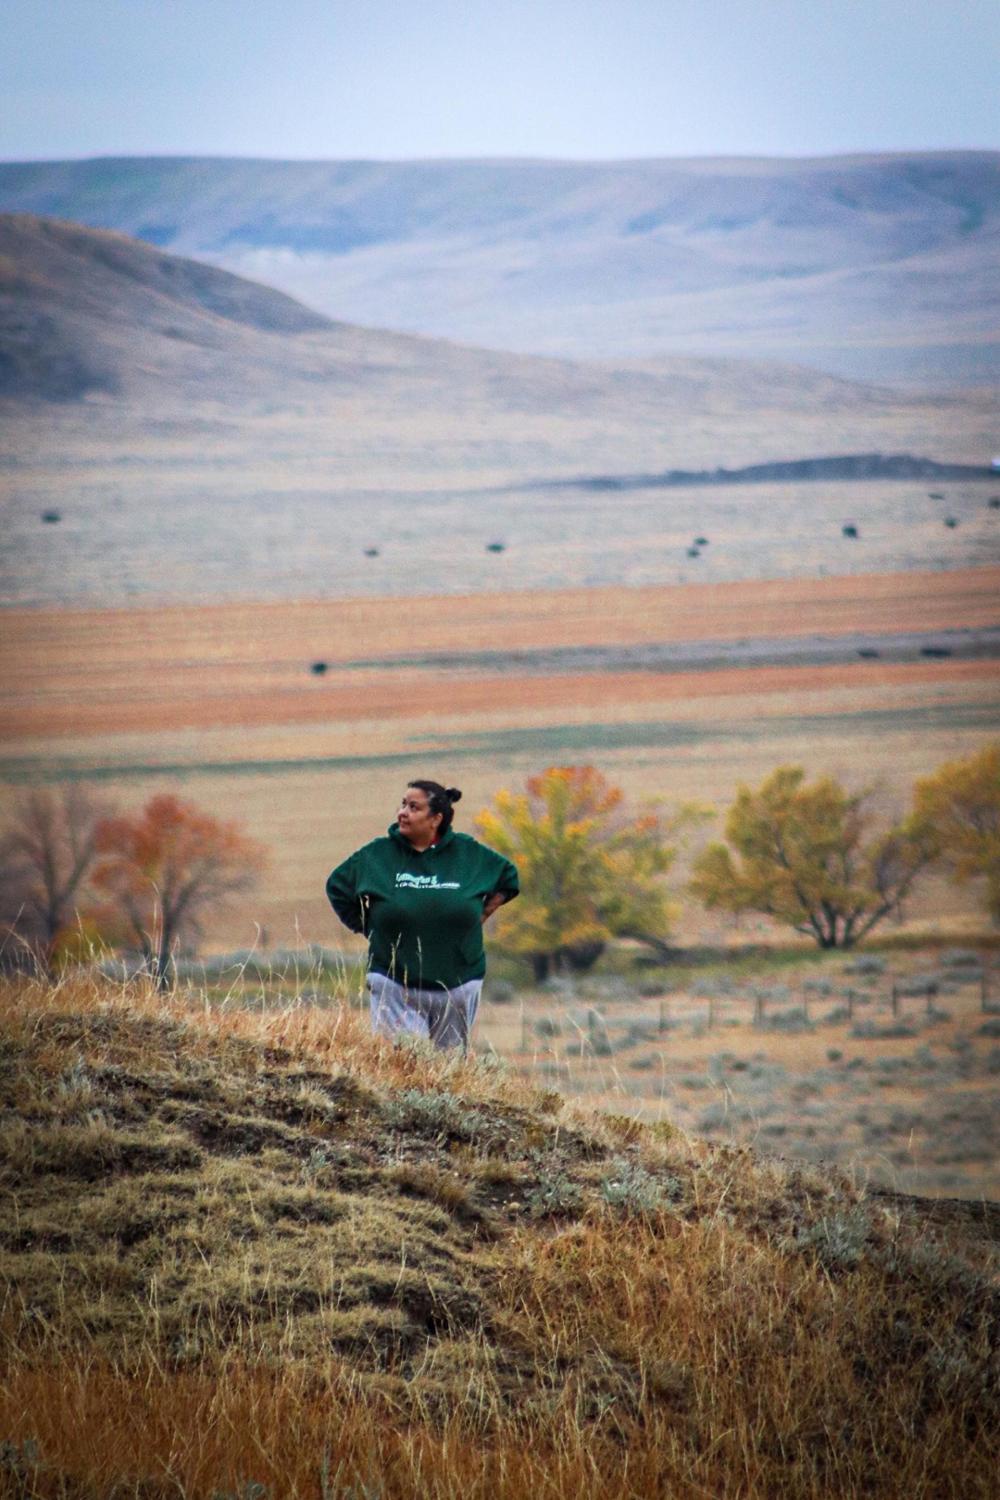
(88, 312)
(845, 466)
(873, 266)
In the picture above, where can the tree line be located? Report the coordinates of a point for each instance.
(78, 875)
(815, 856)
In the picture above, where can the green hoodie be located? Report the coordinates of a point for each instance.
(421, 910)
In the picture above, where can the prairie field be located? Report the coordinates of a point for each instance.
(885, 1063)
(677, 693)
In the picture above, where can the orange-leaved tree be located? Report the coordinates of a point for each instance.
(163, 869)
(589, 869)
(958, 809)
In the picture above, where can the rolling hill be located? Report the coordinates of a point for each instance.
(877, 267)
(89, 311)
(196, 434)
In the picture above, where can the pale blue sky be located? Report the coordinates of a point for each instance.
(566, 78)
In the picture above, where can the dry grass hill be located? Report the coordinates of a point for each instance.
(251, 1252)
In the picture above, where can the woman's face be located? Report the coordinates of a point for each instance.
(416, 821)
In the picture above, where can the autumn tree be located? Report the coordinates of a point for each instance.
(46, 857)
(164, 869)
(811, 856)
(589, 869)
(958, 811)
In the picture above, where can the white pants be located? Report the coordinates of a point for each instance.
(441, 1016)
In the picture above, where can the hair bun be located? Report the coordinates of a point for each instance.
(453, 794)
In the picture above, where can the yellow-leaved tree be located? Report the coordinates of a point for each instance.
(590, 870)
(958, 810)
(811, 856)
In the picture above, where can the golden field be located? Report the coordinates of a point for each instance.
(220, 701)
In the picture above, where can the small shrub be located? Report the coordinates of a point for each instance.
(834, 1054)
(632, 1190)
(837, 1016)
(557, 985)
(919, 985)
(818, 987)
(712, 989)
(547, 1027)
(960, 958)
(436, 1113)
(866, 963)
(554, 1194)
(990, 1028)
(599, 1045)
(839, 1240)
(795, 1019)
(871, 1031)
(500, 992)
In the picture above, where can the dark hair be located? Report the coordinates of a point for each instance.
(440, 799)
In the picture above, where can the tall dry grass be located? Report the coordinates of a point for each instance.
(250, 1251)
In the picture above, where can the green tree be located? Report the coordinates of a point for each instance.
(811, 856)
(958, 811)
(589, 870)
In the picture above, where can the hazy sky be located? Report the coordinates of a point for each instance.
(570, 78)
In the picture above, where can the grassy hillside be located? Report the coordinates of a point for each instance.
(879, 266)
(251, 1251)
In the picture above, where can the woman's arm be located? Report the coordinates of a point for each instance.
(495, 900)
(342, 890)
(504, 876)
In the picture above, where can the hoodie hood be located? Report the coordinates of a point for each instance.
(400, 838)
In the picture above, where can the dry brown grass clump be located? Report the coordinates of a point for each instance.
(262, 1253)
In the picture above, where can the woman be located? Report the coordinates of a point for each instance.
(421, 895)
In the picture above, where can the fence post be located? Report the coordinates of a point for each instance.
(663, 1016)
(758, 1008)
(711, 1012)
(895, 999)
(983, 992)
